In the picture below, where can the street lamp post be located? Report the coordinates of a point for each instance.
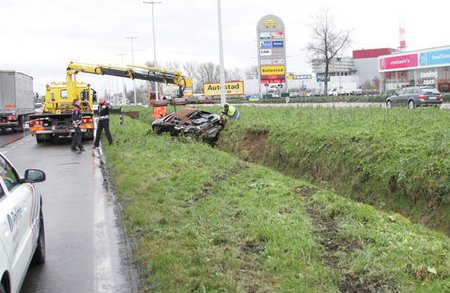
(123, 80)
(222, 69)
(154, 42)
(132, 61)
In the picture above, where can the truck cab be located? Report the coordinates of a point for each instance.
(56, 118)
(58, 101)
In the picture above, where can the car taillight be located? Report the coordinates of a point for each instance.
(422, 97)
(87, 120)
(35, 122)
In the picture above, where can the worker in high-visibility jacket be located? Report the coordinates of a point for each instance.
(231, 112)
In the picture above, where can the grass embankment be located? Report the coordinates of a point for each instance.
(396, 159)
(204, 221)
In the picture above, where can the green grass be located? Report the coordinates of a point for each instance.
(204, 221)
(396, 159)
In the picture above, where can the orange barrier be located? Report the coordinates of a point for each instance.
(159, 111)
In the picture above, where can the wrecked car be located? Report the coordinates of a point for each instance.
(190, 122)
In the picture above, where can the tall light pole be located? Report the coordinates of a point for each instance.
(154, 42)
(132, 61)
(222, 69)
(123, 80)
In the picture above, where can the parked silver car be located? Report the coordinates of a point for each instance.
(415, 96)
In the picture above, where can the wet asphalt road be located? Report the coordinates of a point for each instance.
(86, 250)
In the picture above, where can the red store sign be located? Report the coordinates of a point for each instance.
(399, 62)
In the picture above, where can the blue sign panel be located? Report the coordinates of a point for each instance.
(439, 57)
(265, 45)
(320, 77)
(277, 44)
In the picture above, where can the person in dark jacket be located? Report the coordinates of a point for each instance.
(77, 119)
(103, 122)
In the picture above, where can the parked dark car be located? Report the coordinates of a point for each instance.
(190, 122)
(415, 96)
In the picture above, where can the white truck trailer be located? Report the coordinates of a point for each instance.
(16, 100)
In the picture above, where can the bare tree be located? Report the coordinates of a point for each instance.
(190, 68)
(235, 74)
(251, 72)
(175, 66)
(327, 41)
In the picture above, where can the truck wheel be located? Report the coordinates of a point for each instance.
(40, 138)
(21, 124)
(20, 128)
(39, 254)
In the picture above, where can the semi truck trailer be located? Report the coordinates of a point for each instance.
(16, 100)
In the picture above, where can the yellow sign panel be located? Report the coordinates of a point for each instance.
(188, 87)
(232, 88)
(273, 70)
(270, 22)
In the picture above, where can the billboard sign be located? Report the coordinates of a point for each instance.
(270, 33)
(277, 44)
(320, 77)
(299, 76)
(406, 61)
(265, 45)
(273, 70)
(266, 61)
(272, 61)
(232, 88)
(265, 52)
(435, 58)
(265, 36)
(273, 79)
(277, 35)
(278, 61)
(278, 52)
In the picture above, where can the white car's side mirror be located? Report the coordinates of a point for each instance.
(34, 175)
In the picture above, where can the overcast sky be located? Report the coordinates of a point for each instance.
(40, 37)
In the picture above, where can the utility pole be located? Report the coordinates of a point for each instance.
(154, 42)
(132, 61)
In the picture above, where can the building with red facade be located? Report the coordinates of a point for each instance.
(366, 65)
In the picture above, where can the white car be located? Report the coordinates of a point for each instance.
(22, 239)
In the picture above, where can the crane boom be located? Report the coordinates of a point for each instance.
(130, 71)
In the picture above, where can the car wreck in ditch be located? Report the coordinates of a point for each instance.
(190, 122)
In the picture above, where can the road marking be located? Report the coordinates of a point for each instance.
(103, 271)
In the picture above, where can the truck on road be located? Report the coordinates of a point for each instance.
(16, 100)
(56, 118)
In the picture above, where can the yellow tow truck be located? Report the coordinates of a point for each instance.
(56, 118)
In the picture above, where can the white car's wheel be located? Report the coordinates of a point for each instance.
(411, 104)
(39, 254)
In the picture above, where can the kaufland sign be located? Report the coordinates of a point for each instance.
(421, 59)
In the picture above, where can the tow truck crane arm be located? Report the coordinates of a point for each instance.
(130, 71)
